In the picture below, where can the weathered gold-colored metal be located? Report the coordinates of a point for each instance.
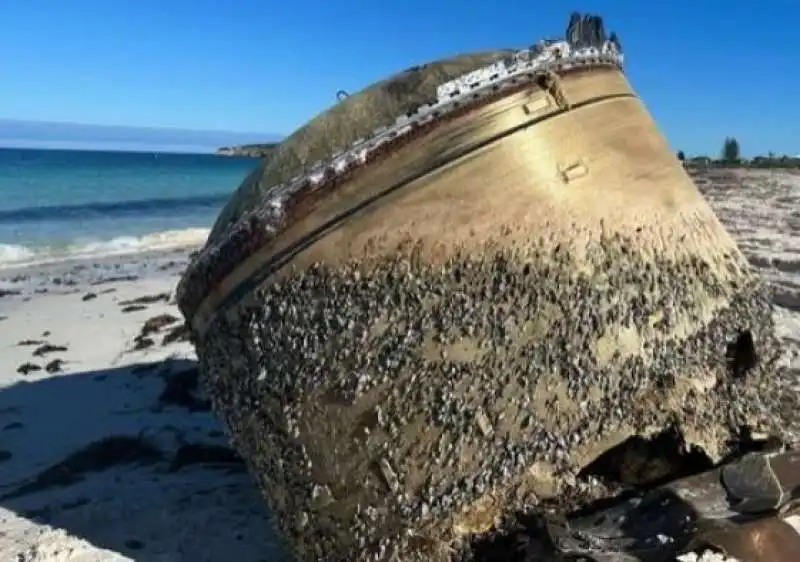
(600, 166)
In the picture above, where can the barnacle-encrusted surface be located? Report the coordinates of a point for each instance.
(380, 396)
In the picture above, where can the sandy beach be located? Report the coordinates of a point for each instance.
(761, 209)
(108, 450)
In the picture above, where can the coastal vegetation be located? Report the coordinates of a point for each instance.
(730, 157)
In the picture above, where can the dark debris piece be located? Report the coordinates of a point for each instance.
(147, 299)
(156, 323)
(738, 509)
(44, 349)
(177, 334)
(114, 279)
(54, 366)
(27, 368)
(141, 342)
(30, 342)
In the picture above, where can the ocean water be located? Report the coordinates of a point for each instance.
(58, 204)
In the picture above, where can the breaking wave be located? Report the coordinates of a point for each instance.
(12, 255)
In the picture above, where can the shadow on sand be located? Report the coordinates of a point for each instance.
(131, 460)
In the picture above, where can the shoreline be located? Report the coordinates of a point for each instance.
(118, 248)
(108, 449)
(73, 275)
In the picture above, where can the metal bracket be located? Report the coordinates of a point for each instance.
(574, 171)
(540, 105)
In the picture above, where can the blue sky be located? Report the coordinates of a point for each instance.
(706, 69)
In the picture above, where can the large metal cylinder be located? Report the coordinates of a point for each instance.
(457, 331)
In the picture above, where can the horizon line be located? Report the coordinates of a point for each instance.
(14, 120)
(166, 149)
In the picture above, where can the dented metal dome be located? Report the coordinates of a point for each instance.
(414, 332)
(354, 118)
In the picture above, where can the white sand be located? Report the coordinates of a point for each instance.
(761, 209)
(205, 511)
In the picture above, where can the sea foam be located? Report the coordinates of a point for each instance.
(12, 255)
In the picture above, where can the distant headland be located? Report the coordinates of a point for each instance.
(258, 150)
(17, 133)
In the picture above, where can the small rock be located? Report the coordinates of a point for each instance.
(141, 342)
(27, 368)
(177, 334)
(43, 350)
(114, 279)
(54, 366)
(155, 323)
(147, 299)
(89, 296)
(30, 342)
(168, 265)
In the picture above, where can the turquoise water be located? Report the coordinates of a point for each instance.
(56, 204)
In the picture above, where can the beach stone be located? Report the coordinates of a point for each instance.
(54, 366)
(156, 323)
(453, 335)
(28, 368)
